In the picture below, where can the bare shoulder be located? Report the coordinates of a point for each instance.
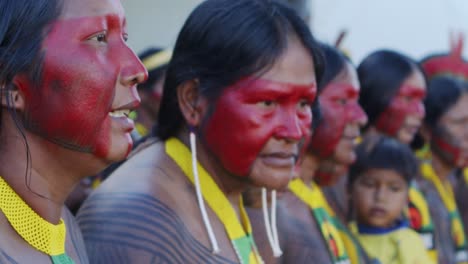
(301, 238)
(138, 228)
(141, 214)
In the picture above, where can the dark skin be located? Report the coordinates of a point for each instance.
(167, 223)
(297, 228)
(147, 211)
(43, 162)
(297, 231)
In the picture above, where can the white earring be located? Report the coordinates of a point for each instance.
(201, 203)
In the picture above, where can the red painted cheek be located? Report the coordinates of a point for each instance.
(71, 105)
(236, 134)
(103, 142)
(393, 118)
(330, 130)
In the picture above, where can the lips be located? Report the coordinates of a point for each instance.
(280, 159)
(378, 212)
(120, 116)
(120, 113)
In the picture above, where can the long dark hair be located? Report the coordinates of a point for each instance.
(223, 41)
(23, 26)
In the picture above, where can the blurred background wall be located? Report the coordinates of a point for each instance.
(415, 27)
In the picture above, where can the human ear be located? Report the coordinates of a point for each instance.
(191, 103)
(12, 97)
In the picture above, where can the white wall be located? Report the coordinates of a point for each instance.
(155, 22)
(415, 27)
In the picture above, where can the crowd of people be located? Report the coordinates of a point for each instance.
(249, 142)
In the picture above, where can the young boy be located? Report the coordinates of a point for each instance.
(378, 186)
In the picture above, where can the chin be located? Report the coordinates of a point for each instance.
(273, 181)
(346, 159)
(119, 149)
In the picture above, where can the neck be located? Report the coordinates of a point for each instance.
(231, 185)
(441, 167)
(309, 167)
(41, 181)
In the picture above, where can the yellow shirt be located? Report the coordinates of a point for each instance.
(400, 245)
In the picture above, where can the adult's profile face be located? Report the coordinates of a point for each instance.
(258, 126)
(403, 117)
(88, 81)
(342, 118)
(450, 137)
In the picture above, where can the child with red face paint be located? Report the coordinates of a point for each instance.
(378, 184)
(445, 131)
(236, 112)
(67, 82)
(308, 227)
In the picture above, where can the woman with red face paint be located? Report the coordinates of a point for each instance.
(445, 130)
(393, 87)
(308, 227)
(236, 111)
(67, 80)
(452, 65)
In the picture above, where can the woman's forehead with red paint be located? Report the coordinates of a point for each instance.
(91, 8)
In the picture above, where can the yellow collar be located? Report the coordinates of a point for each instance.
(35, 230)
(325, 218)
(215, 198)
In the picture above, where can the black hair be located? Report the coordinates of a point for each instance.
(381, 74)
(223, 41)
(442, 93)
(300, 6)
(335, 62)
(381, 152)
(154, 74)
(23, 26)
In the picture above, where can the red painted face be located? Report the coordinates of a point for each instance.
(449, 149)
(250, 112)
(89, 73)
(408, 101)
(339, 106)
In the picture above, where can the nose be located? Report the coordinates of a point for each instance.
(358, 115)
(289, 126)
(420, 110)
(379, 194)
(133, 71)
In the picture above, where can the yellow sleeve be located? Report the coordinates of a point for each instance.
(411, 248)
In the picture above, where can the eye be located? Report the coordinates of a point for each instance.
(342, 101)
(305, 104)
(395, 188)
(125, 37)
(367, 183)
(266, 104)
(100, 37)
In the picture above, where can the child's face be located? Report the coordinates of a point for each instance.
(379, 196)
